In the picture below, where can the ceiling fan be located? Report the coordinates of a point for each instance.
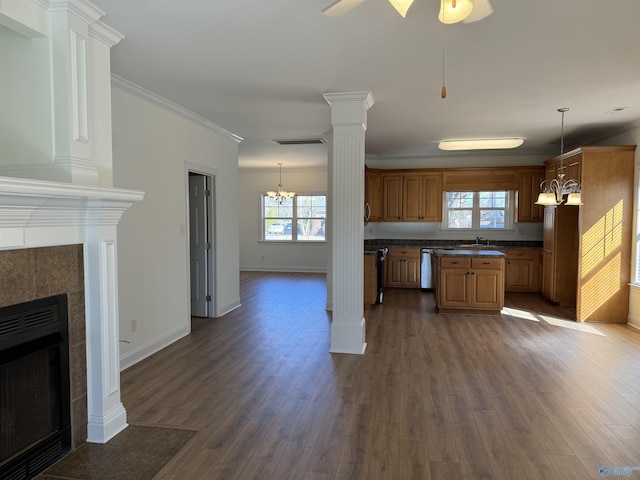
(451, 11)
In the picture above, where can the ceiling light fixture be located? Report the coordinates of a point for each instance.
(553, 191)
(281, 195)
(454, 11)
(480, 144)
(401, 6)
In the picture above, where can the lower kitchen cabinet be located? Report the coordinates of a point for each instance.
(470, 284)
(522, 271)
(370, 279)
(402, 268)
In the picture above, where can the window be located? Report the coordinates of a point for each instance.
(477, 210)
(300, 218)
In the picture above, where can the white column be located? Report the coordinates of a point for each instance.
(106, 415)
(349, 120)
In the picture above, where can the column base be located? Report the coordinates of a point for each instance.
(348, 337)
(103, 428)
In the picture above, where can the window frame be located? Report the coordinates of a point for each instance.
(475, 216)
(294, 220)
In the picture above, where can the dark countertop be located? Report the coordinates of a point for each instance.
(440, 244)
(468, 253)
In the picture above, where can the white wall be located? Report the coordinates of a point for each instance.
(256, 255)
(631, 136)
(151, 144)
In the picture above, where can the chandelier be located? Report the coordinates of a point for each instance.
(281, 195)
(554, 190)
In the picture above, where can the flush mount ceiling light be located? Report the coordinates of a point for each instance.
(281, 196)
(480, 144)
(454, 11)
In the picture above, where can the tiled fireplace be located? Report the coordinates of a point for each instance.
(58, 238)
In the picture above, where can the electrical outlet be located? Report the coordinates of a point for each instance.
(134, 325)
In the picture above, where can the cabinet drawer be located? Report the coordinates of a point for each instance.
(404, 252)
(486, 262)
(520, 254)
(455, 262)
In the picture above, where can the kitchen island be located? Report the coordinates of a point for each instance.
(469, 281)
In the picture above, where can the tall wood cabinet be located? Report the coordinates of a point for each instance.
(587, 249)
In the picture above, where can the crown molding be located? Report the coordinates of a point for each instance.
(105, 34)
(140, 92)
(83, 9)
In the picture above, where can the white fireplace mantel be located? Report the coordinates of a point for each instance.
(37, 213)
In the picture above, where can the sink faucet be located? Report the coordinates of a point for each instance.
(478, 240)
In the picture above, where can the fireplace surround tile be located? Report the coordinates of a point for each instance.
(33, 273)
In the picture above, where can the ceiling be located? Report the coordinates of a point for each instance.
(259, 68)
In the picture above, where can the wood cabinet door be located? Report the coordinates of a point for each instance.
(392, 203)
(395, 271)
(412, 198)
(373, 196)
(412, 272)
(520, 276)
(528, 190)
(454, 287)
(432, 198)
(548, 275)
(486, 289)
(548, 228)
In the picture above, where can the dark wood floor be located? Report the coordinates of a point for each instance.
(523, 395)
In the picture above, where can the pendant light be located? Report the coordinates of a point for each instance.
(554, 190)
(280, 196)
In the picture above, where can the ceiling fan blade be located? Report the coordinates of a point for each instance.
(340, 7)
(481, 9)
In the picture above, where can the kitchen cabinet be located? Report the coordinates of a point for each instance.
(402, 268)
(392, 198)
(370, 279)
(373, 196)
(422, 198)
(587, 249)
(560, 254)
(470, 284)
(522, 271)
(527, 194)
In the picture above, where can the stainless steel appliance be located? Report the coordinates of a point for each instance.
(426, 269)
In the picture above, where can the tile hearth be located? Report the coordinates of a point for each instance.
(137, 453)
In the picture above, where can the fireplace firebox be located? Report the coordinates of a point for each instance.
(35, 405)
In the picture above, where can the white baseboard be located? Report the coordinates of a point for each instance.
(138, 354)
(224, 309)
(263, 268)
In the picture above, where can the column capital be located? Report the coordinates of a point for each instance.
(349, 108)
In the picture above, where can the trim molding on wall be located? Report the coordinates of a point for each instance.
(138, 91)
(134, 356)
(296, 269)
(634, 306)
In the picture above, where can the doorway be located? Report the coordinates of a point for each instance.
(201, 245)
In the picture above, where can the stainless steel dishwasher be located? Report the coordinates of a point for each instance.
(426, 269)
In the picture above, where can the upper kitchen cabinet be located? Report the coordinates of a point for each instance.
(422, 197)
(527, 193)
(603, 228)
(392, 198)
(372, 196)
